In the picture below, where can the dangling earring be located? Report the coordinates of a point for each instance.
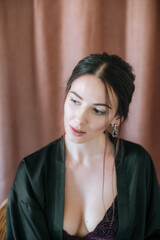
(115, 130)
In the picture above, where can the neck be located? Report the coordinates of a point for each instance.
(85, 153)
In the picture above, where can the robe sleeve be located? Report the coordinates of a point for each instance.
(153, 211)
(25, 216)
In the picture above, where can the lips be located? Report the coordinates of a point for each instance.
(77, 132)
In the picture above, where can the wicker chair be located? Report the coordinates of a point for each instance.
(3, 220)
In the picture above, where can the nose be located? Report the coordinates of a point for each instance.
(81, 117)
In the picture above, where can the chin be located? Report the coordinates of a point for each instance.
(77, 140)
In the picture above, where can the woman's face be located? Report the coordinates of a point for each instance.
(87, 114)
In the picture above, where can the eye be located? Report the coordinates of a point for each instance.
(74, 101)
(98, 112)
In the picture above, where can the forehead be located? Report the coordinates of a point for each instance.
(91, 88)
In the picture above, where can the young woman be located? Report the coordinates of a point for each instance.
(89, 184)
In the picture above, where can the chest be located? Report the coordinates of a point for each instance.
(89, 192)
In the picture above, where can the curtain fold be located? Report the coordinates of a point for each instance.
(142, 50)
(40, 43)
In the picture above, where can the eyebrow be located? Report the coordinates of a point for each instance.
(95, 104)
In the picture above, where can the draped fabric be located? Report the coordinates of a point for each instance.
(40, 43)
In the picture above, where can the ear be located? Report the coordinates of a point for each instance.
(117, 120)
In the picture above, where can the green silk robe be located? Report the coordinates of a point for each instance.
(36, 200)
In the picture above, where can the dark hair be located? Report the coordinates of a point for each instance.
(114, 72)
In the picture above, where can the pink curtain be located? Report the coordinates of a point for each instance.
(40, 43)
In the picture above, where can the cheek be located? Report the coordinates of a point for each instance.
(99, 125)
(65, 112)
(68, 113)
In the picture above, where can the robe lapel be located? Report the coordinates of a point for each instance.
(58, 192)
(122, 189)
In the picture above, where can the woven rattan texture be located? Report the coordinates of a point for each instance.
(3, 220)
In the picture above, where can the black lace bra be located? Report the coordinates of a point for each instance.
(105, 230)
